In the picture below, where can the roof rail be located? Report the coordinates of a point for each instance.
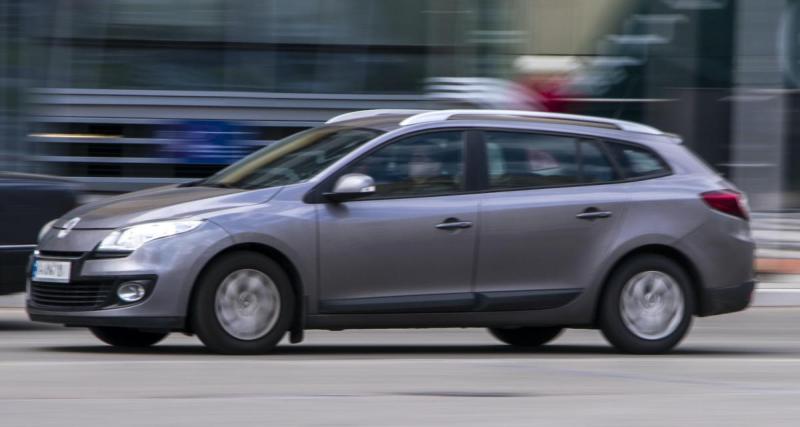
(435, 116)
(363, 114)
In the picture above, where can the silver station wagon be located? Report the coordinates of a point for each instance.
(524, 223)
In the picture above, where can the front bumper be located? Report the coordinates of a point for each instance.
(171, 264)
(142, 323)
(726, 300)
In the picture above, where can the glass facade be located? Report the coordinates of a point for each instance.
(721, 73)
(318, 46)
(13, 83)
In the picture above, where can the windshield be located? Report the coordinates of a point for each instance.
(292, 160)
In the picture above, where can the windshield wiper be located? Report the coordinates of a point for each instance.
(216, 185)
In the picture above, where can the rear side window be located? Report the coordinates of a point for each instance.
(530, 160)
(595, 166)
(636, 162)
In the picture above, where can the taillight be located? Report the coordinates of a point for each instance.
(727, 201)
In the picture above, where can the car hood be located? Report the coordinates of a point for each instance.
(170, 202)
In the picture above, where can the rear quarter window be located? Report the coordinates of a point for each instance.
(637, 162)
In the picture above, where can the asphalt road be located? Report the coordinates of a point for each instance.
(735, 370)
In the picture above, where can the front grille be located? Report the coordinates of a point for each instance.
(61, 254)
(75, 295)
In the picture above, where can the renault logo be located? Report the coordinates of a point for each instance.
(68, 226)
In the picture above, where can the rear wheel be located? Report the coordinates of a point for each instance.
(647, 306)
(526, 337)
(126, 337)
(244, 304)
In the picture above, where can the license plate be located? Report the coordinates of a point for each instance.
(51, 271)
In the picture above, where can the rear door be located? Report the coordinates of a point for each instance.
(551, 210)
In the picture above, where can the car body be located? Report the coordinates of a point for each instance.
(28, 202)
(521, 222)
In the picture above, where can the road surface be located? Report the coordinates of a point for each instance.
(735, 370)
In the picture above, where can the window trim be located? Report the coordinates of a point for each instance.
(472, 160)
(476, 163)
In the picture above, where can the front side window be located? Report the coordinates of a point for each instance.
(428, 164)
(292, 160)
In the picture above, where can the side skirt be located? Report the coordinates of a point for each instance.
(511, 308)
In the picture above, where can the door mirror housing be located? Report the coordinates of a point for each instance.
(350, 187)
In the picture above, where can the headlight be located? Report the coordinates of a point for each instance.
(131, 238)
(45, 228)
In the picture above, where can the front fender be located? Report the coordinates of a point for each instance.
(286, 227)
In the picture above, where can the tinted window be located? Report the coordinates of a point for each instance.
(526, 160)
(595, 166)
(422, 165)
(637, 162)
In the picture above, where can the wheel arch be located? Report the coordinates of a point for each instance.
(670, 252)
(297, 325)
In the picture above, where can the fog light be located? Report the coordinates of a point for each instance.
(131, 291)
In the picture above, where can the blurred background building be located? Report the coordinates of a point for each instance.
(124, 94)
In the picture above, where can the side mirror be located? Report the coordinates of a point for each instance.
(350, 187)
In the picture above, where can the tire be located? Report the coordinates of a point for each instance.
(230, 315)
(526, 337)
(656, 311)
(126, 337)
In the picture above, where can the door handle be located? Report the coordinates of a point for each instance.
(453, 224)
(592, 214)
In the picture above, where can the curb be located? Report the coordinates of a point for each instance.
(769, 296)
(778, 265)
(12, 301)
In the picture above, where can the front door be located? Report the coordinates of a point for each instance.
(410, 247)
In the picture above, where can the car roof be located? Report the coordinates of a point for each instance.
(388, 120)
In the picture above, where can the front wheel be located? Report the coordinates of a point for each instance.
(526, 337)
(126, 337)
(647, 306)
(244, 304)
